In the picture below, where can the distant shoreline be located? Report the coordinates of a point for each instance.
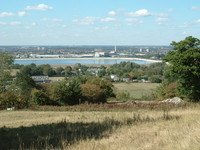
(99, 58)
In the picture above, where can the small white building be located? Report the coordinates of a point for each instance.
(99, 54)
(41, 79)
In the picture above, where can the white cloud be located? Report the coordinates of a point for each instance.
(21, 13)
(195, 8)
(112, 13)
(197, 21)
(39, 7)
(102, 28)
(6, 14)
(56, 26)
(161, 20)
(15, 23)
(3, 23)
(169, 10)
(185, 33)
(144, 13)
(131, 20)
(140, 13)
(33, 24)
(108, 19)
(86, 20)
(52, 20)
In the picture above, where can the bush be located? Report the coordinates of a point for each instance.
(167, 90)
(155, 79)
(40, 98)
(123, 95)
(105, 85)
(93, 93)
(10, 99)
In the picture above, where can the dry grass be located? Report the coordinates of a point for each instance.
(140, 129)
(180, 134)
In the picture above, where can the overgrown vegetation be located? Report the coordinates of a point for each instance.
(182, 76)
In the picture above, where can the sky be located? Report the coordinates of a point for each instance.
(98, 22)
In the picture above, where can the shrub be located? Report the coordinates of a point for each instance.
(155, 79)
(93, 93)
(170, 91)
(40, 98)
(167, 90)
(10, 99)
(105, 85)
(123, 95)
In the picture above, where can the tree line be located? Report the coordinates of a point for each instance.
(131, 70)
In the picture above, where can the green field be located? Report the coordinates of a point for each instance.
(137, 91)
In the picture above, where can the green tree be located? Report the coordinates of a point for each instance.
(47, 70)
(67, 92)
(22, 84)
(40, 98)
(6, 62)
(185, 67)
(60, 71)
(31, 70)
(68, 70)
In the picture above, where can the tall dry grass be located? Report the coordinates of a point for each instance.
(148, 129)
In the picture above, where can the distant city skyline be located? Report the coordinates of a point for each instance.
(98, 22)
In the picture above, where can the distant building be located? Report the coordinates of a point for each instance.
(99, 54)
(41, 79)
(94, 71)
(43, 56)
(111, 53)
(114, 78)
(126, 79)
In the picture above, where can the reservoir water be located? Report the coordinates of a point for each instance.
(84, 61)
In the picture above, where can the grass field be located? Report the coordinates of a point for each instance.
(138, 91)
(141, 128)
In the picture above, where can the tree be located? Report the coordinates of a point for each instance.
(60, 71)
(185, 67)
(47, 70)
(67, 92)
(6, 62)
(31, 70)
(22, 84)
(68, 70)
(40, 98)
(105, 85)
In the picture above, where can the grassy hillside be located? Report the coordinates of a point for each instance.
(139, 127)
